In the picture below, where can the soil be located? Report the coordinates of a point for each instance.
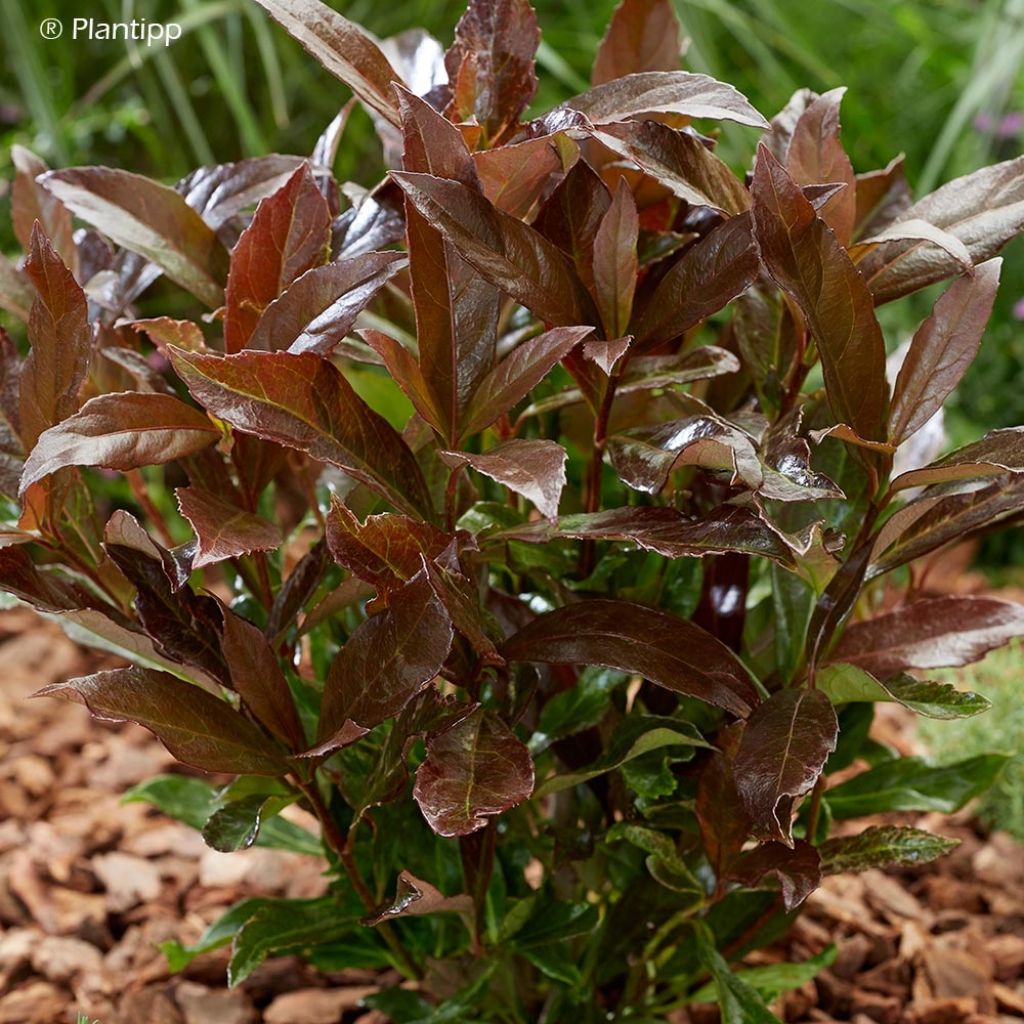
(89, 887)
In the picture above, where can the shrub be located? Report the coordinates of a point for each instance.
(535, 510)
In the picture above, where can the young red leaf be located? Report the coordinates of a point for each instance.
(984, 210)
(343, 48)
(387, 660)
(473, 771)
(816, 155)
(679, 161)
(222, 529)
(384, 550)
(507, 252)
(784, 748)
(534, 469)
(915, 230)
(669, 651)
(665, 92)
(414, 898)
(807, 261)
(121, 431)
(708, 276)
(518, 374)
(935, 632)
(164, 331)
(490, 64)
(797, 870)
(60, 342)
(317, 310)
(461, 598)
(185, 626)
(516, 178)
(615, 261)
(257, 678)
(456, 311)
(572, 214)
(30, 202)
(942, 349)
(149, 219)
(197, 728)
(723, 820)
(882, 196)
(15, 292)
(643, 35)
(289, 235)
(304, 402)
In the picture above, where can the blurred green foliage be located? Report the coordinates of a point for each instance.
(939, 80)
(1000, 729)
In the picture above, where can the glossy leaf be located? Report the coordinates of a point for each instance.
(257, 678)
(197, 728)
(784, 748)
(643, 35)
(913, 784)
(815, 154)
(998, 452)
(930, 633)
(222, 529)
(490, 63)
(303, 401)
(534, 469)
(807, 261)
(122, 431)
(387, 660)
(236, 825)
(942, 350)
(984, 210)
(739, 1002)
(883, 846)
(507, 252)
(708, 276)
(797, 871)
(384, 550)
(415, 898)
(615, 261)
(149, 219)
(219, 194)
(473, 771)
(518, 374)
(60, 343)
(288, 236)
(343, 48)
(665, 92)
(672, 652)
(680, 162)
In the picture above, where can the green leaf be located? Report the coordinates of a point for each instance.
(847, 683)
(235, 825)
(914, 784)
(286, 926)
(218, 934)
(740, 1002)
(663, 862)
(577, 708)
(771, 980)
(637, 735)
(882, 846)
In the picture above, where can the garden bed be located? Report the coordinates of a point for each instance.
(90, 886)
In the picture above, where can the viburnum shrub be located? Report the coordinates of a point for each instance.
(545, 523)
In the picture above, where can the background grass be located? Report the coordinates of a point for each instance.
(1001, 729)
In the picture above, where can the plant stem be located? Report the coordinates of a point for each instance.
(336, 841)
(138, 486)
(592, 493)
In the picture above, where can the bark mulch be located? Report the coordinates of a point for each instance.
(89, 887)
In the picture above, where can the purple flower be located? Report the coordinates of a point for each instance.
(1018, 309)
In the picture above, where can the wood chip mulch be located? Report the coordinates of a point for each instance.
(89, 887)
